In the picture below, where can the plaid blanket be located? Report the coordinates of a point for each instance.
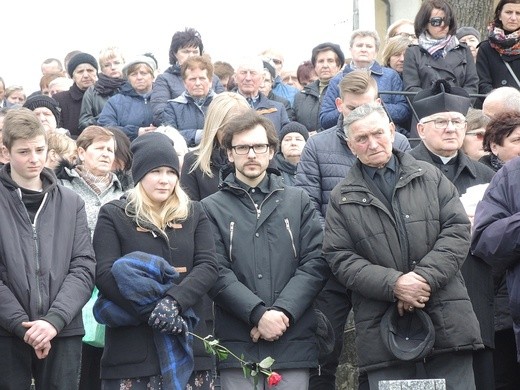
(143, 279)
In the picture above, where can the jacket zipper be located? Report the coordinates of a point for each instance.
(231, 231)
(36, 248)
(259, 209)
(288, 227)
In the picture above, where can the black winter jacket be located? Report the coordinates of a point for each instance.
(130, 351)
(46, 267)
(492, 72)
(368, 249)
(270, 256)
(476, 272)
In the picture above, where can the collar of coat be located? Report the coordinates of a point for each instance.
(409, 169)
(463, 161)
(275, 182)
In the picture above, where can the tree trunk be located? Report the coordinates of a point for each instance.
(474, 13)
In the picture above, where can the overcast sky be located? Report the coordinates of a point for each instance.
(35, 30)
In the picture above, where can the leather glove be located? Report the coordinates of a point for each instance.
(165, 315)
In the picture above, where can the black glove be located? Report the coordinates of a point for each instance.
(165, 317)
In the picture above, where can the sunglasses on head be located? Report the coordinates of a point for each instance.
(437, 21)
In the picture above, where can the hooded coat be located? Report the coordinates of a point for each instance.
(46, 267)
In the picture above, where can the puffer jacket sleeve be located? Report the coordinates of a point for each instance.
(452, 244)
(313, 271)
(352, 270)
(308, 176)
(160, 95)
(496, 236)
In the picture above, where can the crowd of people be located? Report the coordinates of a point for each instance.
(261, 206)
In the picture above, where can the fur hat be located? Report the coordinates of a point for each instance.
(328, 45)
(463, 31)
(143, 59)
(294, 127)
(33, 102)
(409, 337)
(442, 97)
(150, 151)
(81, 58)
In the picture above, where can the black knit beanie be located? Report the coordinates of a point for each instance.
(150, 151)
(36, 101)
(81, 58)
(294, 127)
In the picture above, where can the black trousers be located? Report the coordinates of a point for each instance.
(335, 303)
(58, 371)
(90, 367)
(507, 369)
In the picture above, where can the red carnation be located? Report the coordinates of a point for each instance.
(273, 379)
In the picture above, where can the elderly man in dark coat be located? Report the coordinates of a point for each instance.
(396, 235)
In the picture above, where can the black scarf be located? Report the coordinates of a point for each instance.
(108, 86)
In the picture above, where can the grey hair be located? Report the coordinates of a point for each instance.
(508, 97)
(362, 112)
(366, 33)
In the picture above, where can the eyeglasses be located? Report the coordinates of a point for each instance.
(244, 149)
(406, 35)
(437, 21)
(478, 134)
(441, 123)
(276, 61)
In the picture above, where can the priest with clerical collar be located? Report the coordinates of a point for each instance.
(441, 111)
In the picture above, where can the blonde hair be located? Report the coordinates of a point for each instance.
(395, 45)
(108, 53)
(224, 107)
(60, 143)
(140, 208)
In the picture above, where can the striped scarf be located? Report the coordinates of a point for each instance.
(438, 48)
(97, 183)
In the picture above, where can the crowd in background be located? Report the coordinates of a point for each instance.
(187, 170)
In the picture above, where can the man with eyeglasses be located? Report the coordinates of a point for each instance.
(442, 126)
(268, 240)
(442, 112)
